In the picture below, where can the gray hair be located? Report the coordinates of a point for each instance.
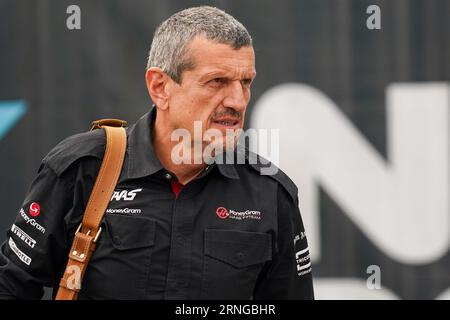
(171, 39)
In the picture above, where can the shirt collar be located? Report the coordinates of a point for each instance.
(226, 166)
(142, 160)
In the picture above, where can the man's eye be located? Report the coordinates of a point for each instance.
(217, 82)
(246, 82)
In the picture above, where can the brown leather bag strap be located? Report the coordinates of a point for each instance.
(89, 230)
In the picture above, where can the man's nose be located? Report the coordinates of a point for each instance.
(236, 96)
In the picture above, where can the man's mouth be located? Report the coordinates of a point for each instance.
(227, 122)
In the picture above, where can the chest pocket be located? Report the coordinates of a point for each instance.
(232, 262)
(120, 265)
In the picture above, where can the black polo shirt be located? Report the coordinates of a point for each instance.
(231, 233)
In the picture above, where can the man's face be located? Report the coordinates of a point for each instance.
(216, 91)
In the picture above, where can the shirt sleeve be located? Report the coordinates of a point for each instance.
(289, 274)
(35, 249)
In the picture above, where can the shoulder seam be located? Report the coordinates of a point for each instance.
(280, 176)
(73, 148)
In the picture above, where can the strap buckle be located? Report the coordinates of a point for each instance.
(108, 122)
(89, 232)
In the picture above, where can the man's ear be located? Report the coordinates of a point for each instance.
(157, 82)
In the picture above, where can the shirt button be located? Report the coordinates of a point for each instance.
(168, 176)
(240, 256)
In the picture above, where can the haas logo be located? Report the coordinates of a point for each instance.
(125, 195)
(222, 213)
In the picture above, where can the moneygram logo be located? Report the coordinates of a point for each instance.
(224, 213)
(35, 209)
(31, 222)
(123, 211)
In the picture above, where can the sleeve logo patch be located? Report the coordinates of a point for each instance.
(22, 256)
(32, 222)
(23, 236)
(302, 257)
(35, 209)
(303, 262)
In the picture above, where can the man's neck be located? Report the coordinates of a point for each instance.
(163, 146)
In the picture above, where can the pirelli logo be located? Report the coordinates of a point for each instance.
(23, 236)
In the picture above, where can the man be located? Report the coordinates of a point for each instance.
(173, 230)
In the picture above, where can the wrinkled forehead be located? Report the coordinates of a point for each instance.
(210, 56)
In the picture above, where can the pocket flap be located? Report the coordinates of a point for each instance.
(130, 232)
(238, 248)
